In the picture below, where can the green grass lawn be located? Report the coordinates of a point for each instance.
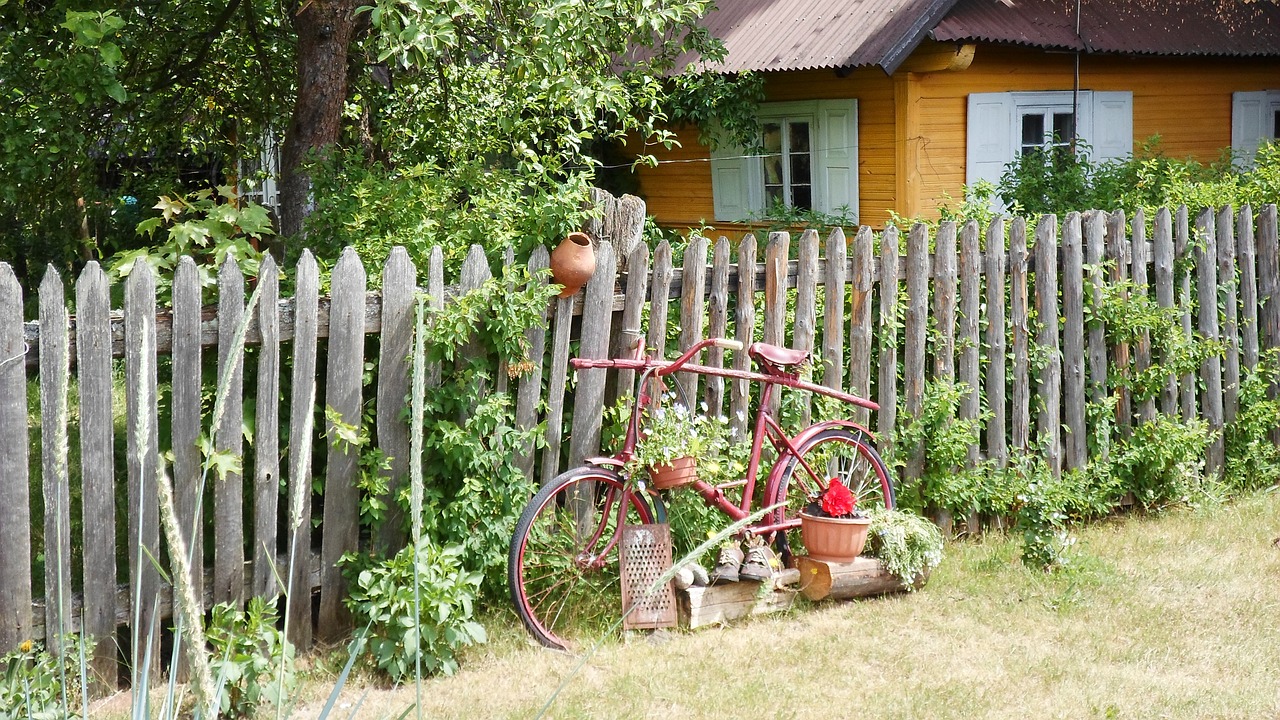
(1172, 616)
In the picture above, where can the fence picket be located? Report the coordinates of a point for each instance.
(1142, 353)
(187, 388)
(693, 288)
(1019, 323)
(717, 323)
(775, 297)
(914, 352)
(55, 367)
(228, 494)
(1247, 257)
(15, 530)
(944, 299)
(97, 468)
(859, 317)
(1117, 247)
(968, 340)
(435, 303)
(805, 327)
(887, 379)
(597, 314)
(659, 300)
(997, 444)
(1074, 451)
(266, 455)
(1268, 249)
(1211, 369)
(632, 316)
(343, 371)
(399, 282)
(1050, 383)
(1181, 248)
(530, 389)
(1163, 254)
(834, 273)
(1227, 290)
(745, 323)
(302, 404)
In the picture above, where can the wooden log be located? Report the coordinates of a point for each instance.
(1118, 264)
(1248, 259)
(745, 323)
(1075, 448)
(55, 367)
(691, 309)
(717, 324)
(1211, 368)
(143, 441)
(1162, 252)
(343, 395)
(228, 489)
(1050, 383)
(1142, 352)
(859, 320)
(15, 514)
(97, 465)
(775, 298)
(186, 421)
(1228, 295)
(914, 351)
(302, 412)
(717, 604)
(588, 401)
(996, 334)
(266, 463)
(864, 577)
(804, 330)
(834, 274)
(529, 392)
(968, 340)
(399, 283)
(887, 380)
(1020, 327)
(1181, 248)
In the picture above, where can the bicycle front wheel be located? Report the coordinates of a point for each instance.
(840, 453)
(562, 568)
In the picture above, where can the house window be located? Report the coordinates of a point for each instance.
(808, 161)
(259, 175)
(1255, 118)
(1003, 126)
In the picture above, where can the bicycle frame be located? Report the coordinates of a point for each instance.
(765, 424)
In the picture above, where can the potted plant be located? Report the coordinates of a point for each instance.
(906, 544)
(671, 444)
(832, 526)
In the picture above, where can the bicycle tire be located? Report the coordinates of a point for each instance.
(859, 467)
(561, 603)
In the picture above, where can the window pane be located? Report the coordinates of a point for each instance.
(799, 137)
(772, 195)
(802, 197)
(773, 170)
(1064, 127)
(772, 137)
(1032, 129)
(800, 170)
(1275, 130)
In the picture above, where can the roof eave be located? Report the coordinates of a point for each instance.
(899, 51)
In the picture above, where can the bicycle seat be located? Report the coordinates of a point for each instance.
(773, 357)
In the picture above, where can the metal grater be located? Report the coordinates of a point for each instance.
(645, 552)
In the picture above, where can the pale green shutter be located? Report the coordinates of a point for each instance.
(836, 159)
(1112, 136)
(1248, 124)
(731, 182)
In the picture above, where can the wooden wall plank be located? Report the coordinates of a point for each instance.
(997, 344)
(834, 275)
(302, 412)
(1142, 352)
(887, 377)
(55, 368)
(1206, 253)
(1020, 326)
(1075, 451)
(1049, 387)
(859, 319)
(692, 309)
(1247, 257)
(343, 394)
(597, 316)
(745, 322)
(916, 322)
(1228, 294)
(228, 491)
(530, 390)
(968, 341)
(1162, 252)
(97, 468)
(717, 323)
(805, 327)
(399, 284)
(1118, 275)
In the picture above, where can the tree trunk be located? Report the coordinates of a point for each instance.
(324, 30)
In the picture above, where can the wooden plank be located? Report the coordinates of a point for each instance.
(1248, 258)
(302, 405)
(631, 329)
(97, 467)
(887, 379)
(917, 320)
(1206, 255)
(834, 274)
(186, 416)
(1049, 387)
(716, 604)
(597, 315)
(143, 447)
(1181, 249)
(228, 490)
(691, 309)
(556, 382)
(859, 320)
(266, 463)
(805, 327)
(1227, 295)
(717, 323)
(1118, 264)
(399, 283)
(530, 390)
(967, 340)
(775, 299)
(1142, 351)
(55, 367)
(744, 323)
(996, 336)
(1075, 449)
(944, 303)
(659, 301)
(1020, 327)
(1162, 253)
(343, 395)
(15, 514)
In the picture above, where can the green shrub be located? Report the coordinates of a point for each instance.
(247, 651)
(35, 684)
(1252, 459)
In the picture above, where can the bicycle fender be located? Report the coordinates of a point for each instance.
(610, 463)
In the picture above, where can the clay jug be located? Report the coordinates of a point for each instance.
(573, 262)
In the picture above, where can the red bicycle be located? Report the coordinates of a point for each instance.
(562, 567)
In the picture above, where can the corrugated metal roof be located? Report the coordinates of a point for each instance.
(1156, 27)
(808, 34)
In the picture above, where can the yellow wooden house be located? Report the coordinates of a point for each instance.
(875, 106)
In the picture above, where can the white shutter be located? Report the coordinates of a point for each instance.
(731, 182)
(836, 157)
(1248, 124)
(989, 139)
(1112, 135)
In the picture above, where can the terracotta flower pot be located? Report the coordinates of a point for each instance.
(573, 262)
(682, 471)
(834, 539)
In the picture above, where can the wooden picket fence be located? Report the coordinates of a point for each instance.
(847, 295)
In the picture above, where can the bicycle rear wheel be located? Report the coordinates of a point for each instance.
(841, 453)
(562, 567)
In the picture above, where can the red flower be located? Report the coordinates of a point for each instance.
(837, 501)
